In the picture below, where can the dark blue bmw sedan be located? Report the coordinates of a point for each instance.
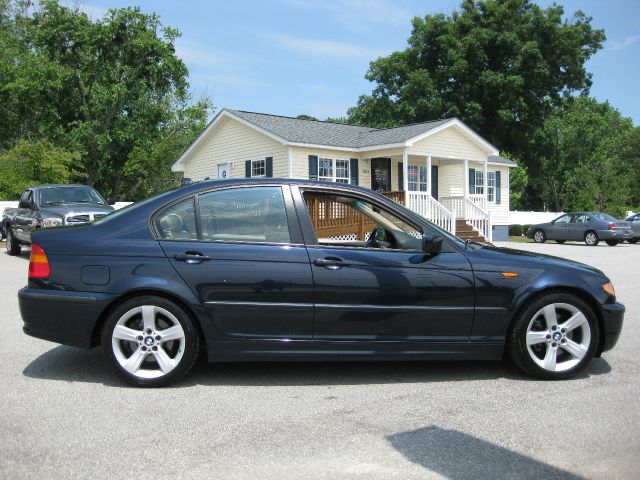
(296, 270)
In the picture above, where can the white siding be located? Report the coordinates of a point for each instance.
(235, 143)
(451, 179)
(500, 212)
(449, 143)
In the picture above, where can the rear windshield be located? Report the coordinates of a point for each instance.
(605, 217)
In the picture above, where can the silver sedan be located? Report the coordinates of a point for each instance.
(590, 227)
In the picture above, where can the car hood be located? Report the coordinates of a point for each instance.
(75, 208)
(498, 259)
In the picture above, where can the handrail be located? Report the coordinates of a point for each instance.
(471, 209)
(424, 204)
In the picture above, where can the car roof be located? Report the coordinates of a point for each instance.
(204, 184)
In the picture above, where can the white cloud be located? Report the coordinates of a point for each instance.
(93, 11)
(193, 53)
(233, 80)
(329, 48)
(355, 13)
(622, 44)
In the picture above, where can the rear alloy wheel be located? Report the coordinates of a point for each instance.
(539, 236)
(612, 243)
(13, 247)
(591, 239)
(554, 337)
(150, 341)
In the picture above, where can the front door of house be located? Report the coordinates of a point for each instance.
(223, 171)
(381, 174)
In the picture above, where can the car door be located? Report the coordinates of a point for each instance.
(367, 293)
(558, 230)
(578, 226)
(240, 251)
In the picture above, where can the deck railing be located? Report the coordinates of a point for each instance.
(334, 219)
(470, 210)
(424, 204)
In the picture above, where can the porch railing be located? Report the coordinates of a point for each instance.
(470, 210)
(424, 204)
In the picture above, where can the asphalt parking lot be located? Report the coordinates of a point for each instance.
(63, 414)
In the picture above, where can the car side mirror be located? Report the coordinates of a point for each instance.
(111, 201)
(431, 243)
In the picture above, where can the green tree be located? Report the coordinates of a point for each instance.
(584, 157)
(147, 171)
(103, 88)
(33, 163)
(518, 182)
(499, 65)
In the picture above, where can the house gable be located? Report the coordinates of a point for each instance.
(451, 142)
(229, 141)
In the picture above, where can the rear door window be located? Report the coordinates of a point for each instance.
(250, 214)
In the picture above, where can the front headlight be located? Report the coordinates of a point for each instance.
(51, 222)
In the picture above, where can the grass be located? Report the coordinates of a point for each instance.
(520, 239)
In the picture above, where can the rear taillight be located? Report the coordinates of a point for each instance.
(39, 263)
(612, 226)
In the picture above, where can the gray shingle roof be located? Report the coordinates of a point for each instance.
(334, 134)
(499, 159)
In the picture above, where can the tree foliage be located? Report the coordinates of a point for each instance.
(107, 89)
(33, 163)
(498, 65)
(584, 146)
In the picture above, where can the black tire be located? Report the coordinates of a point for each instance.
(539, 236)
(530, 320)
(2, 234)
(591, 238)
(182, 351)
(13, 247)
(633, 240)
(612, 243)
(560, 241)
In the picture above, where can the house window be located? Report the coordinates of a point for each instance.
(333, 170)
(491, 186)
(417, 178)
(479, 184)
(258, 168)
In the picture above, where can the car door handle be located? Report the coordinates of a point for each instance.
(191, 257)
(331, 263)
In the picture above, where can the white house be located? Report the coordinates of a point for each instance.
(442, 169)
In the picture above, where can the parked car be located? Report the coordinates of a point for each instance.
(51, 206)
(590, 227)
(634, 221)
(297, 270)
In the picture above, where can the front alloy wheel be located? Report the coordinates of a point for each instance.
(539, 236)
(554, 337)
(150, 341)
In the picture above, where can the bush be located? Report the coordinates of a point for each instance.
(518, 230)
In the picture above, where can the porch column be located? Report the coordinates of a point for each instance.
(486, 185)
(429, 175)
(466, 178)
(405, 170)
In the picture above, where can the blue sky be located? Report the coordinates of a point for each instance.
(290, 57)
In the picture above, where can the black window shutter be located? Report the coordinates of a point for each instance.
(497, 194)
(247, 169)
(472, 181)
(400, 177)
(268, 167)
(353, 165)
(313, 167)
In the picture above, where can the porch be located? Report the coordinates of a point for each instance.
(447, 191)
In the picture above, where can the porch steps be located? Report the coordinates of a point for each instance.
(467, 232)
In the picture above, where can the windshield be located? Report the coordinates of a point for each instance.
(64, 195)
